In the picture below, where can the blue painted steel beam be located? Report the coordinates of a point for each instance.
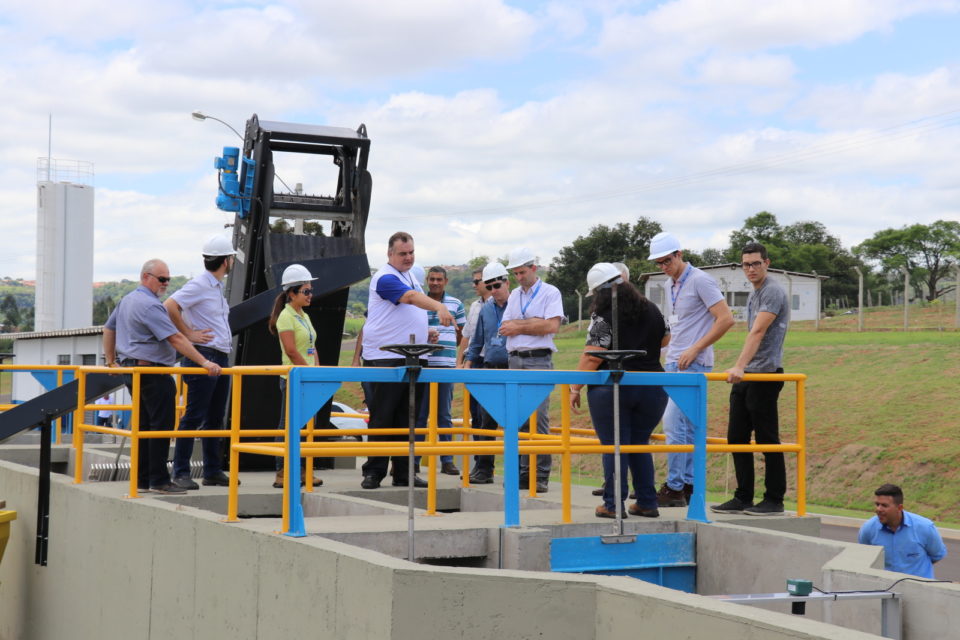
(510, 395)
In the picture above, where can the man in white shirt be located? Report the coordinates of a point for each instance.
(200, 311)
(396, 308)
(530, 321)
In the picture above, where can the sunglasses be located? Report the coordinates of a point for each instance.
(160, 279)
(477, 281)
(495, 285)
(664, 262)
(306, 292)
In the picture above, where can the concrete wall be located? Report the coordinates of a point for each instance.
(150, 568)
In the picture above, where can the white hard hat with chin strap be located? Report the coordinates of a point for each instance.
(295, 274)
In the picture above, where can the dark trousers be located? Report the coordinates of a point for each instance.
(640, 410)
(389, 408)
(158, 396)
(484, 420)
(206, 406)
(753, 410)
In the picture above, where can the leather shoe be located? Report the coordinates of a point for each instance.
(185, 483)
(637, 510)
(450, 469)
(603, 512)
(542, 486)
(169, 488)
(418, 482)
(597, 492)
(370, 482)
(219, 480)
(480, 477)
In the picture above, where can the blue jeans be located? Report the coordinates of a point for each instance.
(206, 405)
(444, 421)
(679, 430)
(640, 410)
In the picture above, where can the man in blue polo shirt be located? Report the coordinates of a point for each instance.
(139, 333)
(911, 543)
(396, 309)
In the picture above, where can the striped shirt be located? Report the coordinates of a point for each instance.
(446, 357)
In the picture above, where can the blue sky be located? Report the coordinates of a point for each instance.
(493, 124)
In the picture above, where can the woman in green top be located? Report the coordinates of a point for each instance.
(292, 325)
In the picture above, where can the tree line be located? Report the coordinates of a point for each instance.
(929, 253)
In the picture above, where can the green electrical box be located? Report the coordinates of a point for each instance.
(799, 587)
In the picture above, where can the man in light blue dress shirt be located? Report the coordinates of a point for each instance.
(911, 543)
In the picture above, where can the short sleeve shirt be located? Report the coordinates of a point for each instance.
(541, 301)
(204, 307)
(912, 548)
(771, 298)
(691, 297)
(304, 336)
(446, 357)
(142, 326)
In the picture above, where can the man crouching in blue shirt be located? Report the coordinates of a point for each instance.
(911, 543)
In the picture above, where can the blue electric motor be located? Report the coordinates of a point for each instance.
(228, 195)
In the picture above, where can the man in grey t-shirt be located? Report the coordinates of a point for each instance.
(753, 405)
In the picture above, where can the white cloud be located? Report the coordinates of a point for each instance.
(755, 71)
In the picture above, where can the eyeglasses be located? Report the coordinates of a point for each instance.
(306, 292)
(477, 281)
(751, 265)
(160, 279)
(495, 285)
(664, 262)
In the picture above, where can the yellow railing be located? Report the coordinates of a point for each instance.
(564, 441)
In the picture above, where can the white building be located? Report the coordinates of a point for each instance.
(803, 290)
(66, 346)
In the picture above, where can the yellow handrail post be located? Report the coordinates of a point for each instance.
(532, 464)
(134, 433)
(802, 454)
(77, 431)
(467, 422)
(566, 459)
(61, 418)
(234, 489)
(432, 439)
(308, 462)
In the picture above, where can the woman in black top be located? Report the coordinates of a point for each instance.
(640, 326)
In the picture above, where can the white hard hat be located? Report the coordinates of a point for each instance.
(600, 274)
(295, 274)
(418, 273)
(520, 257)
(493, 271)
(663, 244)
(218, 245)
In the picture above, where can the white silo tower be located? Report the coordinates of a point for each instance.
(64, 293)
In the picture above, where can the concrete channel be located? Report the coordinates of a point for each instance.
(165, 566)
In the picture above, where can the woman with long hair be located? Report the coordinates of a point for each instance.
(291, 324)
(640, 326)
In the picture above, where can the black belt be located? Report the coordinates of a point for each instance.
(133, 362)
(532, 353)
(490, 365)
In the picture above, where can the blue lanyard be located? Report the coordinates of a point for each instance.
(497, 309)
(524, 307)
(679, 285)
(305, 326)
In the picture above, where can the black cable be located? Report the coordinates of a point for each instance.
(885, 590)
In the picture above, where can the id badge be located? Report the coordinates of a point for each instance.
(496, 341)
(674, 319)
